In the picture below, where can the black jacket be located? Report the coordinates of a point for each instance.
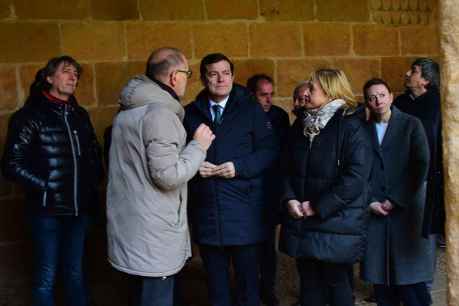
(332, 173)
(231, 211)
(427, 109)
(52, 151)
(280, 122)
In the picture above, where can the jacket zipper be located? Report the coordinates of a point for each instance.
(75, 168)
(77, 140)
(45, 196)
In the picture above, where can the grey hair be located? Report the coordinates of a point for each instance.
(162, 60)
(430, 70)
(297, 88)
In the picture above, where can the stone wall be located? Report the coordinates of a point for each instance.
(112, 38)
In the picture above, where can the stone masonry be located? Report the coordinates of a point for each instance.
(286, 39)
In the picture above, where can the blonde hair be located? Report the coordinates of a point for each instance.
(335, 85)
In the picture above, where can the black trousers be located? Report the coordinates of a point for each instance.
(268, 267)
(409, 295)
(324, 283)
(152, 291)
(217, 263)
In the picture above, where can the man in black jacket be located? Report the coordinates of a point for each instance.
(422, 100)
(227, 198)
(261, 86)
(52, 151)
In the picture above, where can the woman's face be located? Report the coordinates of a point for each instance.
(379, 99)
(318, 98)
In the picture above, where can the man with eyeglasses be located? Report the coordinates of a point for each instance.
(150, 165)
(227, 197)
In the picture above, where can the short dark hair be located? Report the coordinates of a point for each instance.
(430, 70)
(212, 59)
(162, 60)
(252, 82)
(41, 84)
(372, 82)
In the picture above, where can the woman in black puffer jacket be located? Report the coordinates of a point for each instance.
(327, 169)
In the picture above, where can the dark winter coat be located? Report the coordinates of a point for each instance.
(52, 151)
(427, 109)
(230, 211)
(396, 252)
(280, 123)
(331, 173)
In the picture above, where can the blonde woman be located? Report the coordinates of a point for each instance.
(325, 190)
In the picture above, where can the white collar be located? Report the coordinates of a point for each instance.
(222, 103)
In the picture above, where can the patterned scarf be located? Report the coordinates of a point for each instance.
(316, 120)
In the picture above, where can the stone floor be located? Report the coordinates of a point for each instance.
(110, 290)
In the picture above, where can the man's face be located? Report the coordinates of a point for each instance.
(64, 81)
(181, 78)
(218, 80)
(414, 79)
(264, 94)
(379, 99)
(302, 97)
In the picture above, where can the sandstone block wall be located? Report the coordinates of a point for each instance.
(112, 39)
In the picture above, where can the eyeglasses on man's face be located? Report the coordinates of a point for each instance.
(188, 73)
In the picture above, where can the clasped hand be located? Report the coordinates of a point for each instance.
(300, 210)
(381, 208)
(225, 170)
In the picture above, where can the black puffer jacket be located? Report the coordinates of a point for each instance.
(52, 151)
(332, 174)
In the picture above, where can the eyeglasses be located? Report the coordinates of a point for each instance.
(188, 73)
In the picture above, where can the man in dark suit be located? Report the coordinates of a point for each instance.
(227, 197)
(261, 86)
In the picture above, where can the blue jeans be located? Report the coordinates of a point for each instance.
(58, 242)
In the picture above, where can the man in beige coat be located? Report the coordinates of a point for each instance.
(149, 167)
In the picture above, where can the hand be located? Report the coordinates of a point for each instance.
(307, 209)
(207, 169)
(387, 205)
(377, 209)
(294, 209)
(204, 136)
(225, 170)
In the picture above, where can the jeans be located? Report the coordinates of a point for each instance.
(58, 242)
(152, 291)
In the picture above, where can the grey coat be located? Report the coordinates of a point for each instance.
(396, 252)
(149, 169)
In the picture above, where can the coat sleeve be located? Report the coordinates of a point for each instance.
(352, 178)
(287, 192)
(18, 154)
(418, 166)
(266, 147)
(169, 166)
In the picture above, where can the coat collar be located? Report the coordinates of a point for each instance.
(393, 128)
(238, 95)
